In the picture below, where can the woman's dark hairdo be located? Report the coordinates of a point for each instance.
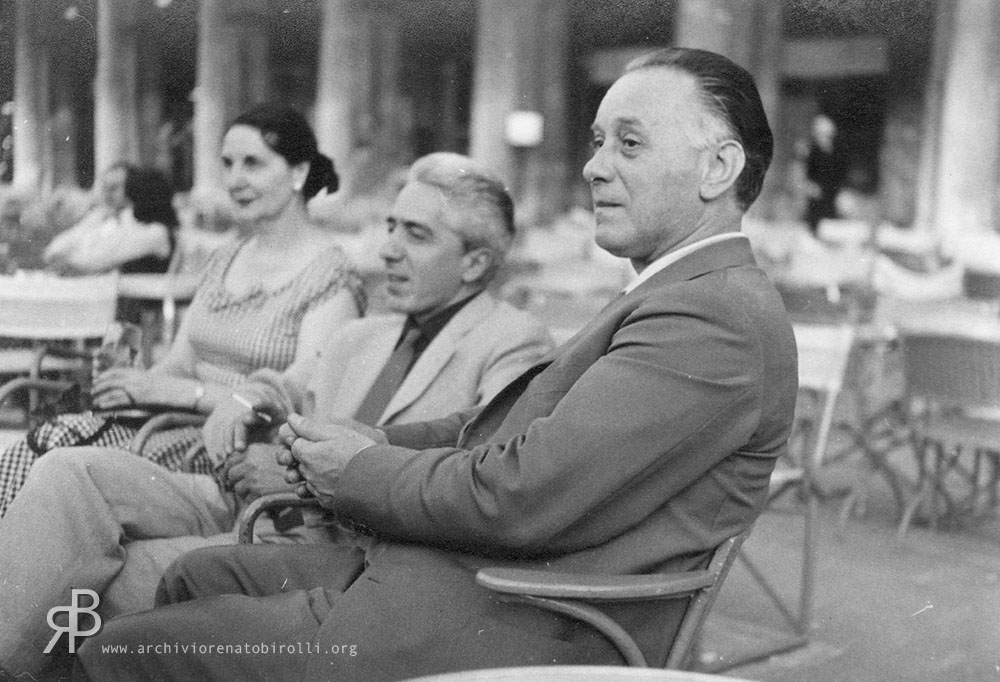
(287, 133)
(150, 193)
(730, 93)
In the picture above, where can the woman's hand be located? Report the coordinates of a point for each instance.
(121, 387)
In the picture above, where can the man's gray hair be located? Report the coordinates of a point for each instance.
(481, 210)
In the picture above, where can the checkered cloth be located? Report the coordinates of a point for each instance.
(167, 448)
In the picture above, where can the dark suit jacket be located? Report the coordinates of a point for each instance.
(639, 445)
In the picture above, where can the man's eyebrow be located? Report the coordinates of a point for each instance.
(618, 123)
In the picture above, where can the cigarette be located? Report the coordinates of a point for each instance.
(263, 416)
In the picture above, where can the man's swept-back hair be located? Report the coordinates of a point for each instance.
(485, 215)
(730, 95)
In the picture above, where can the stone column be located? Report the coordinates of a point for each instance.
(232, 74)
(520, 64)
(116, 122)
(336, 75)
(968, 145)
(721, 26)
(31, 97)
(153, 146)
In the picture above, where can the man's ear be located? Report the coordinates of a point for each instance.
(476, 263)
(722, 170)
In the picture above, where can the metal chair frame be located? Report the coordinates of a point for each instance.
(575, 595)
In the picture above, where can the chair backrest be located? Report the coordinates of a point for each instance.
(823, 352)
(42, 306)
(577, 594)
(952, 369)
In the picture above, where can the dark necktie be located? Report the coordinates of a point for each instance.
(389, 379)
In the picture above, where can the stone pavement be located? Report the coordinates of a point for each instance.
(922, 608)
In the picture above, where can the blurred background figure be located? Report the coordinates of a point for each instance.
(825, 172)
(132, 228)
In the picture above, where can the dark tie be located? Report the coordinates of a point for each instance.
(392, 375)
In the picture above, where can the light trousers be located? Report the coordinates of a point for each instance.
(73, 525)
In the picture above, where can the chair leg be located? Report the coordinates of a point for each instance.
(922, 487)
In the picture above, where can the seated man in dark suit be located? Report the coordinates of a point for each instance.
(95, 519)
(641, 444)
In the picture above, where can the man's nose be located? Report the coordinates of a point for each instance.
(391, 249)
(234, 176)
(597, 168)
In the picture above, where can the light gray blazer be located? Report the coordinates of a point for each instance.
(482, 348)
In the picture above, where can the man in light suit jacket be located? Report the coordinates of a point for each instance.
(640, 445)
(101, 520)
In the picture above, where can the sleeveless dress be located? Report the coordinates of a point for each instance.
(231, 335)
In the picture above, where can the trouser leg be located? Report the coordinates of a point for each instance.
(228, 637)
(67, 529)
(278, 619)
(259, 570)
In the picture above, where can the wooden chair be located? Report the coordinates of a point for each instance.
(953, 398)
(573, 673)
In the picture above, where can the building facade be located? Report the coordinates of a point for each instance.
(912, 85)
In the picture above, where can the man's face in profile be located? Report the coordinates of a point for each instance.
(647, 165)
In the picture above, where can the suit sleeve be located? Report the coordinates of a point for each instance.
(676, 392)
(436, 433)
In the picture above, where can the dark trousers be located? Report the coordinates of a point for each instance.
(390, 613)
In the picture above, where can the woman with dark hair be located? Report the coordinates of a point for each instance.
(132, 229)
(275, 295)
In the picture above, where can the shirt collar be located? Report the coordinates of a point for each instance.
(431, 325)
(673, 256)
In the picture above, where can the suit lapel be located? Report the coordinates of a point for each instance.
(438, 353)
(367, 362)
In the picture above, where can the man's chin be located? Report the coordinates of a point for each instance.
(613, 247)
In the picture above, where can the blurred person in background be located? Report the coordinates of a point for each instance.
(825, 172)
(263, 301)
(131, 229)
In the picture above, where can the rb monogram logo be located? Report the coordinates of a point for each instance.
(73, 612)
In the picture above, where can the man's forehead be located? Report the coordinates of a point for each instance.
(427, 205)
(646, 96)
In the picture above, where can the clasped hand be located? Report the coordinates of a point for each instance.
(316, 453)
